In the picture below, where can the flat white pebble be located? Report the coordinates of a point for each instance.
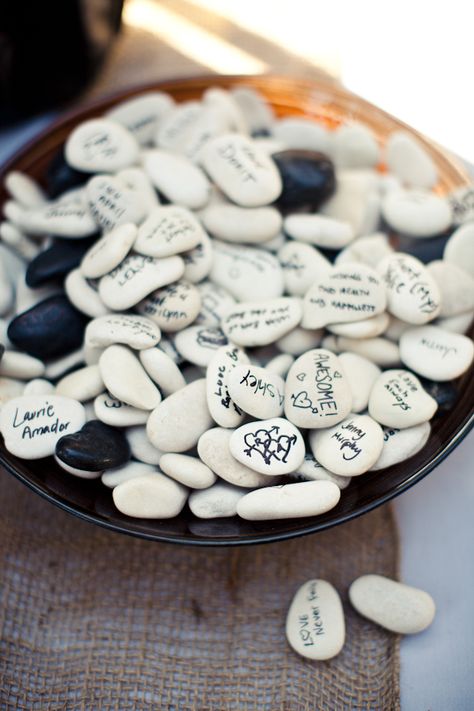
(315, 626)
(399, 445)
(177, 178)
(397, 607)
(457, 324)
(137, 332)
(10, 388)
(459, 249)
(82, 385)
(162, 370)
(125, 378)
(112, 204)
(62, 218)
(274, 446)
(136, 180)
(456, 287)
(168, 230)
(361, 374)
(141, 114)
(116, 413)
(302, 133)
(189, 471)
(59, 366)
(180, 419)
(83, 295)
(349, 448)
(369, 250)
(307, 498)
(100, 145)
(409, 161)
(412, 293)
(150, 496)
(311, 470)
(299, 340)
(108, 251)
(242, 224)
(258, 323)
(354, 146)
(173, 307)
(24, 189)
(198, 344)
(398, 400)
(280, 364)
(214, 302)
(302, 265)
(141, 447)
(39, 386)
(319, 230)
(461, 202)
(198, 261)
(131, 470)
(356, 200)
(15, 364)
(224, 410)
(81, 473)
(435, 353)
(214, 450)
(416, 212)
(218, 501)
(257, 391)
(379, 350)
(247, 273)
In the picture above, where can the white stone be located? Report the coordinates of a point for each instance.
(398, 400)
(100, 145)
(369, 250)
(198, 261)
(136, 277)
(18, 243)
(356, 200)
(137, 332)
(461, 202)
(138, 182)
(380, 351)
(280, 364)
(435, 353)
(218, 501)
(178, 422)
(399, 445)
(10, 388)
(168, 230)
(173, 307)
(31, 425)
(257, 111)
(224, 410)
(315, 626)
(116, 413)
(409, 161)
(319, 230)
(82, 385)
(242, 224)
(456, 287)
(355, 147)
(24, 189)
(177, 178)
(307, 498)
(367, 328)
(311, 470)
(81, 473)
(397, 607)
(361, 374)
(131, 470)
(198, 344)
(317, 391)
(15, 364)
(112, 204)
(248, 273)
(351, 292)
(167, 346)
(416, 212)
(300, 340)
(302, 266)
(274, 244)
(141, 114)
(349, 448)
(457, 324)
(459, 249)
(225, 103)
(244, 173)
(258, 323)
(215, 301)
(412, 293)
(107, 253)
(162, 369)
(91, 355)
(125, 378)
(189, 471)
(303, 133)
(174, 127)
(214, 450)
(59, 366)
(395, 328)
(257, 391)
(273, 446)
(150, 496)
(61, 218)
(141, 447)
(39, 386)
(210, 122)
(83, 295)
(269, 145)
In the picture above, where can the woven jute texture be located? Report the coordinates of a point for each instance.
(94, 620)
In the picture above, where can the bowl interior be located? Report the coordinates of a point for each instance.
(331, 105)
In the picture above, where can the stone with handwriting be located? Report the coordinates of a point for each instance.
(272, 447)
(198, 344)
(436, 353)
(168, 230)
(350, 292)
(257, 391)
(173, 307)
(31, 425)
(317, 392)
(223, 408)
(248, 273)
(349, 448)
(112, 204)
(399, 445)
(315, 626)
(100, 145)
(138, 332)
(111, 411)
(302, 265)
(398, 399)
(412, 293)
(258, 323)
(141, 114)
(108, 251)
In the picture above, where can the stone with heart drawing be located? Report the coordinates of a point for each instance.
(398, 400)
(112, 204)
(224, 410)
(435, 353)
(270, 447)
(412, 293)
(349, 448)
(257, 391)
(168, 230)
(350, 292)
(94, 448)
(100, 145)
(317, 391)
(257, 323)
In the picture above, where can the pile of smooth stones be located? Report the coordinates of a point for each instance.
(207, 306)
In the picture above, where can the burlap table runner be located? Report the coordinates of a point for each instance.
(95, 620)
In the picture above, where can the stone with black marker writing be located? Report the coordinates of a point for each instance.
(257, 391)
(168, 230)
(272, 447)
(247, 273)
(399, 400)
(412, 293)
(258, 323)
(173, 307)
(137, 332)
(435, 353)
(224, 410)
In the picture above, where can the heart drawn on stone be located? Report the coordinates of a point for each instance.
(303, 401)
(268, 445)
(301, 376)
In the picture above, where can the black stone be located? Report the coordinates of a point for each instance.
(2, 350)
(61, 177)
(49, 329)
(94, 448)
(57, 261)
(446, 393)
(308, 179)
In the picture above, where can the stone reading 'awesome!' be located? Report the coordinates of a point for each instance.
(31, 425)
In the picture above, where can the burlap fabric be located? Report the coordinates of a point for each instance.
(94, 620)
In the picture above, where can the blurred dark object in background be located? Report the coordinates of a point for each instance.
(50, 50)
